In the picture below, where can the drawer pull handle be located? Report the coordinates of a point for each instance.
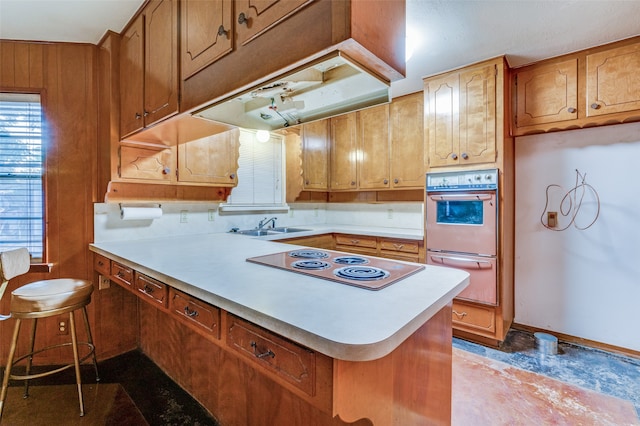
(192, 313)
(355, 241)
(147, 289)
(120, 274)
(398, 246)
(460, 315)
(100, 263)
(268, 353)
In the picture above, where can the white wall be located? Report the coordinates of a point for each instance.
(584, 283)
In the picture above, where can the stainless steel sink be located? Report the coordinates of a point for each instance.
(270, 231)
(288, 229)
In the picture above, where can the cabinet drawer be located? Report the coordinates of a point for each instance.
(473, 317)
(151, 290)
(356, 241)
(400, 246)
(101, 264)
(121, 274)
(197, 313)
(288, 361)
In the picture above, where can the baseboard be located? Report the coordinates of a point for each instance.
(580, 341)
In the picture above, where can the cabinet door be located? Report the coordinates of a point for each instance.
(146, 163)
(210, 160)
(132, 78)
(407, 142)
(613, 81)
(443, 95)
(253, 17)
(373, 152)
(315, 155)
(344, 146)
(161, 60)
(478, 115)
(206, 33)
(547, 94)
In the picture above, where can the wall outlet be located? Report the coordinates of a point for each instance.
(390, 214)
(183, 216)
(552, 219)
(62, 328)
(212, 215)
(315, 212)
(103, 282)
(290, 212)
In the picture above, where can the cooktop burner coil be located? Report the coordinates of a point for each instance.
(311, 264)
(361, 273)
(309, 254)
(350, 260)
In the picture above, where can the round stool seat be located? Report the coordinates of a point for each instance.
(50, 297)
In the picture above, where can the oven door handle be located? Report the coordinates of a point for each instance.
(463, 262)
(461, 197)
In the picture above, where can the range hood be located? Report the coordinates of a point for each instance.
(329, 86)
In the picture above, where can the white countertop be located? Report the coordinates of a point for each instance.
(338, 320)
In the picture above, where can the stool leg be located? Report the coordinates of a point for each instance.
(76, 359)
(30, 357)
(90, 340)
(7, 371)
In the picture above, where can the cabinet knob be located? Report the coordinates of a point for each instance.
(454, 156)
(146, 113)
(222, 31)
(595, 106)
(166, 171)
(571, 110)
(242, 19)
(232, 176)
(138, 116)
(386, 181)
(396, 180)
(465, 156)
(306, 182)
(353, 183)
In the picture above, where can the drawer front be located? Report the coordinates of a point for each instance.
(101, 264)
(289, 361)
(121, 274)
(196, 312)
(403, 246)
(356, 241)
(473, 317)
(151, 289)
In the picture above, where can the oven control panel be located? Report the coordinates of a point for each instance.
(463, 180)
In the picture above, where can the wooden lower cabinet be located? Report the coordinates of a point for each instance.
(245, 374)
(357, 244)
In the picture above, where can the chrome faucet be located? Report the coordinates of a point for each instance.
(265, 221)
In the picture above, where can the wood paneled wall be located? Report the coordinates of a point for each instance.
(64, 75)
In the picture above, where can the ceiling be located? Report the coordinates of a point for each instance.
(447, 33)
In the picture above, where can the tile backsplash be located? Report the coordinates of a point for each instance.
(203, 218)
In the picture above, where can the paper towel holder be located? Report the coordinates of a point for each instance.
(140, 212)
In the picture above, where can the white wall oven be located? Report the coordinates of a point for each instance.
(461, 228)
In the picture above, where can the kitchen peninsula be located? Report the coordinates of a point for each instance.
(284, 348)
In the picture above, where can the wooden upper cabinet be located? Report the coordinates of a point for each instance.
(206, 33)
(373, 148)
(407, 150)
(344, 148)
(546, 93)
(210, 160)
(254, 17)
(613, 81)
(149, 67)
(315, 155)
(461, 119)
(161, 60)
(147, 164)
(132, 78)
(478, 115)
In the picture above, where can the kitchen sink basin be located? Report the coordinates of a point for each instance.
(270, 231)
(288, 229)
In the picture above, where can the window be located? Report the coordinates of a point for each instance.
(21, 174)
(260, 175)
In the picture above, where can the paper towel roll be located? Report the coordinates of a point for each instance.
(140, 213)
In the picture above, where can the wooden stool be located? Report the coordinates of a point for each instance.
(43, 299)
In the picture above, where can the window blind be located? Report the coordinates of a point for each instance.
(21, 174)
(260, 172)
